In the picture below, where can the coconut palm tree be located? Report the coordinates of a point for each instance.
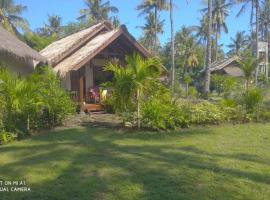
(220, 13)
(148, 6)
(10, 16)
(238, 44)
(150, 32)
(201, 34)
(209, 59)
(130, 81)
(255, 4)
(54, 24)
(264, 24)
(97, 11)
(172, 44)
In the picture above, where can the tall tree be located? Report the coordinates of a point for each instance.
(238, 44)
(149, 31)
(97, 11)
(10, 16)
(157, 5)
(54, 25)
(219, 15)
(209, 45)
(255, 4)
(172, 44)
(264, 23)
(201, 34)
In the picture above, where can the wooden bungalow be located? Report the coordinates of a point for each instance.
(229, 67)
(17, 56)
(79, 59)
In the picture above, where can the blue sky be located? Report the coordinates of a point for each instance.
(185, 14)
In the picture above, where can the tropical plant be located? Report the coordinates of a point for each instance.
(10, 16)
(207, 77)
(52, 27)
(238, 44)
(247, 64)
(38, 42)
(34, 102)
(149, 31)
(255, 4)
(219, 15)
(97, 11)
(131, 81)
(148, 6)
(172, 45)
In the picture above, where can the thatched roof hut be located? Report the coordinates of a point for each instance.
(73, 52)
(16, 54)
(228, 66)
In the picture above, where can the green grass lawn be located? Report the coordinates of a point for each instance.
(226, 162)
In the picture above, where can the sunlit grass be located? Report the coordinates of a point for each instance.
(226, 162)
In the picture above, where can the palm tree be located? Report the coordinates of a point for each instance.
(264, 23)
(10, 16)
(54, 24)
(247, 66)
(201, 34)
(220, 13)
(149, 31)
(255, 4)
(130, 81)
(172, 45)
(157, 5)
(208, 63)
(238, 44)
(97, 11)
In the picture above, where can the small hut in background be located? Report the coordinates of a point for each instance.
(16, 55)
(228, 66)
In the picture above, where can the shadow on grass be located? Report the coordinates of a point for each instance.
(97, 167)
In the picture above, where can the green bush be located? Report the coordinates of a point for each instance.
(159, 115)
(252, 99)
(7, 137)
(35, 102)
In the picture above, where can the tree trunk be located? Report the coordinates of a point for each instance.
(156, 26)
(172, 44)
(28, 123)
(216, 54)
(138, 109)
(257, 42)
(208, 63)
(267, 52)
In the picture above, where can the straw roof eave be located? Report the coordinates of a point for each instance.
(11, 46)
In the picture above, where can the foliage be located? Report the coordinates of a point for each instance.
(38, 42)
(34, 102)
(130, 82)
(7, 137)
(97, 11)
(223, 84)
(10, 16)
(157, 114)
(252, 99)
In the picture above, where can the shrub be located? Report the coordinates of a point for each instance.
(7, 137)
(205, 113)
(159, 115)
(34, 102)
(252, 99)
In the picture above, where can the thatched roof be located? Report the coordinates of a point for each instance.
(74, 51)
(11, 46)
(219, 65)
(58, 50)
(229, 66)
